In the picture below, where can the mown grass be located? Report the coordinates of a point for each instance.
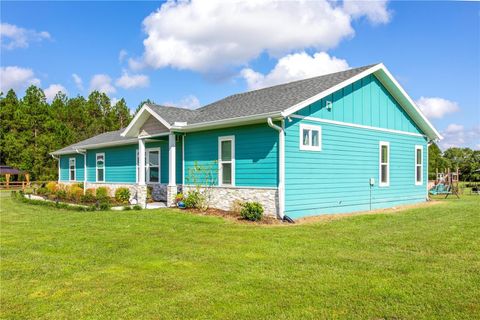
(414, 264)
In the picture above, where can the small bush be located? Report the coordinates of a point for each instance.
(74, 193)
(193, 199)
(252, 211)
(127, 208)
(52, 187)
(104, 205)
(42, 191)
(89, 196)
(137, 207)
(61, 194)
(122, 195)
(102, 193)
(149, 194)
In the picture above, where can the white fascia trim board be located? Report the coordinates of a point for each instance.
(333, 89)
(98, 145)
(138, 117)
(347, 124)
(359, 76)
(227, 122)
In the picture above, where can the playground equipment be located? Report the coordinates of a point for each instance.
(446, 184)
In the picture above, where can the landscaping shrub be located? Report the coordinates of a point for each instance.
(52, 187)
(236, 206)
(137, 207)
(127, 208)
(61, 194)
(89, 196)
(74, 193)
(252, 211)
(104, 205)
(193, 199)
(122, 195)
(42, 191)
(102, 193)
(149, 194)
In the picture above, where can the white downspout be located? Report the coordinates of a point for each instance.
(281, 166)
(84, 168)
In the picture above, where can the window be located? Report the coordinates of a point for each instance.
(226, 160)
(100, 167)
(71, 166)
(310, 137)
(153, 165)
(418, 165)
(384, 164)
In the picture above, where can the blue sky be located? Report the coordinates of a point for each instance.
(190, 59)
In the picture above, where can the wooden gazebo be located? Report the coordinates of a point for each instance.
(8, 172)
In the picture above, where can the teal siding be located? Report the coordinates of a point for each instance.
(120, 164)
(336, 179)
(255, 154)
(364, 102)
(79, 167)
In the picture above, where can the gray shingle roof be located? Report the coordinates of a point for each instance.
(107, 137)
(267, 100)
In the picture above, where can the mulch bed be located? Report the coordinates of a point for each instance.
(233, 216)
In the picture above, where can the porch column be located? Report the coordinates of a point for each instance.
(172, 183)
(141, 187)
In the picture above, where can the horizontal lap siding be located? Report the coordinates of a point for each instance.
(65, 170)
(120, 164)
(255, 154)
(336, 179)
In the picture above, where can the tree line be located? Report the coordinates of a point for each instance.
(31, 127)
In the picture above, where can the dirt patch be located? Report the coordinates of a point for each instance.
(328, 217)
(234, 216)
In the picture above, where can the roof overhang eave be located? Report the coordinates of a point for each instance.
(140, 118)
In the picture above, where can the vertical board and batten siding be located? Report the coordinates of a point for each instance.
(65, 170)
(336, 179)
(256, 155)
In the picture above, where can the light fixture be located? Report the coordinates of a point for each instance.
(328, 105)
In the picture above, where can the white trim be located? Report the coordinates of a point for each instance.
(172, 160)
(141, 162)
(378, 67)
(147, 165)
(104, 167)
(74, 169)
(183, 159)
(418, 183)
(235, 187)
(347, 124)
(140, 117)
(380, 145)
(310, 128)
(220, 161)
(281, 165)
(98, 145)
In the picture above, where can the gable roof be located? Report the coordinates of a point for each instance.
(277, 101)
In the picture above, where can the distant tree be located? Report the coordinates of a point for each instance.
(436, 161)
(122, 114)
(140, 105)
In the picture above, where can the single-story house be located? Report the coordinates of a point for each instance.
(342, 142)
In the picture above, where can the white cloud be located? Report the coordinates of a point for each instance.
(52, 91)
(78, 81)
(15, 37)
(208, 35)
(455, 135)
(16, 78)
(188, 102)
(102, 83)
(434, 107)
(294, 67)
(375, 11)
(122, 55)
(127, 81)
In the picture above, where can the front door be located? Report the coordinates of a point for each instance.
(152, 165)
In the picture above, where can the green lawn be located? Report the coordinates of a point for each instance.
(414, 264)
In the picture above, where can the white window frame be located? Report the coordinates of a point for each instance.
(74, 169)
(104, 166)
(419, 183)
(220, 162)
(147, 165)
(380, 183)
(311, 128)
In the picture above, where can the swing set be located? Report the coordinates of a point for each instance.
(446, 184)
